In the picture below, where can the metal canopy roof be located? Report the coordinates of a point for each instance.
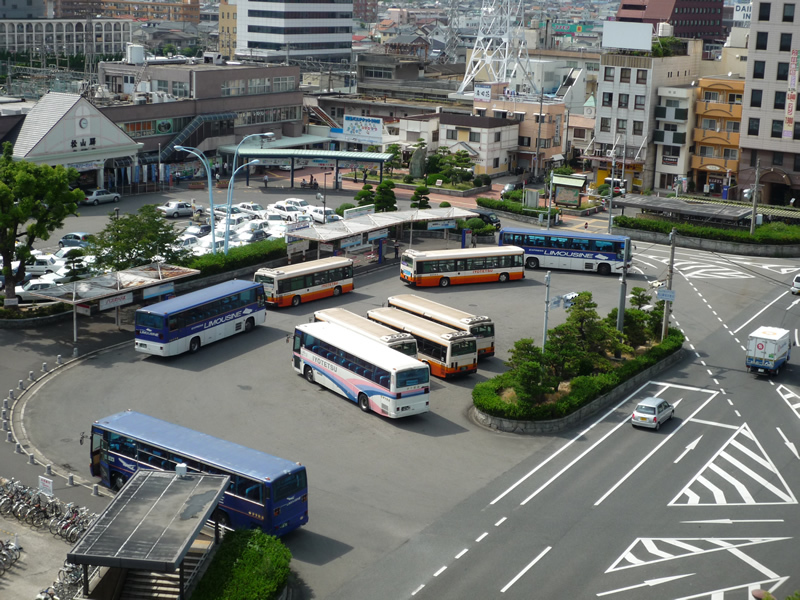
(349, 227)
(255, 151)
(687, 208)
(115, 283)
(152, 522)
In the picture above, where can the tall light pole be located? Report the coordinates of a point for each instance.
(245, 138)
(755, 198)
(199, 154)
(160, 186)
(230, 199)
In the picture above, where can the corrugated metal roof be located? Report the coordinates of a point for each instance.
(42, 118)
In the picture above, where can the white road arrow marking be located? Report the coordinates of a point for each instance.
(789, 444)
(793, 303)
(731, 521)
(647, 583)
(691, 446)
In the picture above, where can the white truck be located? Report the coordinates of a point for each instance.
(768, 348)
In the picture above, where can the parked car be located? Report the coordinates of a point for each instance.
(223, 210)
(186, 241)
(100, 195)
(248, 237)
(204, 247)
(796, 285)
(45, 263)
(297, 167)
(235, 222)
(510, 187)
(652, 412)
(198, 230)
(317, 213)
(265, 224)
(177, 209)
(286, 211)
(487, 216)
(24, 292)
(252, 208)
(27, 278)
(299, 203)
(78, 239)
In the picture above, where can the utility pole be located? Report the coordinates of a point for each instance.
(611, 189)
(667, 303)
(546, 307)
(755, 198)
(541, 116)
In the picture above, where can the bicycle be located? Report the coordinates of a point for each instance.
(48, 593)
(69, 574)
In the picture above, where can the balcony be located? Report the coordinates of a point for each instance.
(670, 138)
(711, 136)
(718, 109)
(714, 163)
(671, 113)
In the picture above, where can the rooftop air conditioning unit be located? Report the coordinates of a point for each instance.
(609, 153)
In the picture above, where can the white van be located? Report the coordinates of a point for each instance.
(796, 285)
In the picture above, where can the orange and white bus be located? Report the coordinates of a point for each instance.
(465, 265)
(480, 327)
(303, 282)
(448, 352)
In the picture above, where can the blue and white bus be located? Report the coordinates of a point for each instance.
(188, 322)
(265, 491)
(573, 250)
(363, 370)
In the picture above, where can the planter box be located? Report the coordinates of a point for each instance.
(196, 185)
(222, 184)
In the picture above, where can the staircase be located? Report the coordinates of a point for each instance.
(193, 126)
(323, 116)
(149, 585)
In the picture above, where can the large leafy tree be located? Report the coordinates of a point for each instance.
(385, 200)
(136, 239)
(35, 200)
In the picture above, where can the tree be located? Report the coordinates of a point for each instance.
(636, 326)
(640, 297)
(385, 200)
(595, 335)
(136, 239)
(395, 162)
(420, 199)
(365, 196)
(420, 143)
(169, 49)
(346, 206)
(34, 202)
(433, 163)
(457, 167)
(526, 364)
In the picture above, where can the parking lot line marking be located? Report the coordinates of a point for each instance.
(481, 536)
(702, 362)
(462, 553)
(691, 346)
(713, 424)
(714, 312)
(709, 371)
(440, 571)
(697, 354)
(722, 391)
(500, 522)
(526, 569)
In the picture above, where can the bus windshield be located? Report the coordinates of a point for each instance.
(289, 484)
(145, 319)
(407, 348)
(465, 347)
(481, 331)
(411, 377)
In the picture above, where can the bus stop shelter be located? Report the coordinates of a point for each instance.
(690, 211)
(150, 524)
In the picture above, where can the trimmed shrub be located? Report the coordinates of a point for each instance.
(434, 177)
(243, 256)
(478, 181)
(514, 196)
(513, 207)
(475, 224)
(408, 179)
(485, 179)
(248, 564)
(778, 234)
(346, 206)
(444, 204)
(42, 310)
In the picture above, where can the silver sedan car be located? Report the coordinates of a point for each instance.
(652, 412)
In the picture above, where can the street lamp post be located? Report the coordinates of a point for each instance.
(230, 199)
(245, 138)
(199, 154)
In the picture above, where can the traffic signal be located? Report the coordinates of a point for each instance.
(747, 194)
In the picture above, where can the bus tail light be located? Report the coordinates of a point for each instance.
(277, 512)
(305, 498)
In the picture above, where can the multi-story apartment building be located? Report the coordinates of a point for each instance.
(33, 9)
(271, 31)
(770, 132)
(175, 10)
(227, 27)
(628, 89)
(689, 18)
(365, 10)
(672, 135)
(490, 142)
(65, 36)
(718, 111)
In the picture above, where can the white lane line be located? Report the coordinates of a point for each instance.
(729, 331)
(462, 553)
(481, 536)
(743, 348)
(715, 382)
(525, 570)
(758, 478)
(738, 414)
(719, 319)
(712, 423)
(419, 589)
(729, 400)
(500, 522)
(697, 354)
(647, 583)
(709, 371)
(743, 325)
(691, 346)
(654, 450)
(440, 571)
(699, 294)
(736, 340)
(726, 327)
(713, 312)
(722, 391)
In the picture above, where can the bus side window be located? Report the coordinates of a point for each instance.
(173, 323)
(461, 265)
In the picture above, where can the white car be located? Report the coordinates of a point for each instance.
(323, 215)
(24, 292)
(796, 285)
(176, 209)
(204, 247)
(235, 223)
(186, 242)
(652, 412)
(271, 220)
(287, 212)
(43, 264)
(297, 167)
(252, 208)
(298, 203)
(278, 231)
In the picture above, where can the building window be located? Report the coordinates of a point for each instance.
(671, 103)
(638, 127)
(268, 115)
(605, 124)
(608, 99)
(283, 84)
(709, 124)
(753, 158)
(752, 126)
(593, 67)
(234, 87)
(498, 136)
(755, 99)
(641, 76)
(796, 135)
(180, 89)
(786, 42)
(261, 85)
(732, 126)
(671, 151)
(622, 125)
(711, 96)
(780, 100)
(579, 133)
(758, 69)
(475, 136)
(625, 75)
(622, 101)
(496, 163)
(378, 73)
(638, 102)
(608, 74)
(670, 127)
(777, 159)
(706, 151)
(783, 71)
(524, 141)
(763, 11)
(734, 98)
(730, 153)
(788, 13)
(761, 40)
(777, 128)
(452, 134)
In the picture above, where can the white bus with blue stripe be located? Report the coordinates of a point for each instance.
(376, 377)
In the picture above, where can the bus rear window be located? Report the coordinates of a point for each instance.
(266, 280)
(407, 348)
(145, 319)
(411, 377)
(288, 485)
(481, 331)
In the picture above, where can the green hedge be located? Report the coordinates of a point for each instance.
(777, 234)
(513, 207)
(45, 310)
(248, 564)
(237, 258)
(583, 389)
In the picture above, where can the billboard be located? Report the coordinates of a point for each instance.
(364, 130)
(483, 92)
(741, 14)
(627, 36)
(791, 98)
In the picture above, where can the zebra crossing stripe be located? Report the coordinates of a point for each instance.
(740, 487)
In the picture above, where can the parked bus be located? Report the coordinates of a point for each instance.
(265, 491)
(574, 250)
(402, 342)
(447, 351)
(190, 321)
(378, 378)
(482, 328)
(306, 281)
(464, 265)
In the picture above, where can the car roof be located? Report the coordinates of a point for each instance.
(651, 401)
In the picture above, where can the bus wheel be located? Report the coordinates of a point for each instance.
(503, 277)
(296, 301)
(337, 291)
(363, 402)
(444, 282)
(117, 481)
(194, 345)
(604, 269)
(249, 325)
(309, 373)
(222, 518)
(532, 263)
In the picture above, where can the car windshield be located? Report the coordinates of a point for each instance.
(256, 207)
(647, 410)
